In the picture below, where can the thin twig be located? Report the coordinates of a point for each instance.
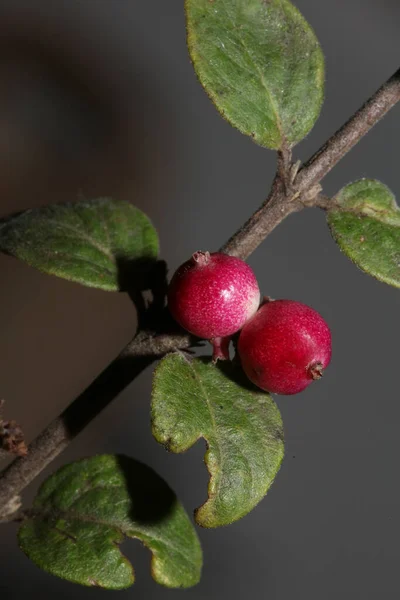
(347, 136)
(281, 204)
(289, 193)
(277, 207)
(138, 355)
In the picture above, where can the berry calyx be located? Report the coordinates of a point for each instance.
(213, 295)
(285, 347)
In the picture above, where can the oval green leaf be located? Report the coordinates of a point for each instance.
(192, 399)
(365, 222)
(260, 63)
(99, 243)
(85, 510)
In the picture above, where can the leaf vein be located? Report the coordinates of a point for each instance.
(83, 236)
(261, 75)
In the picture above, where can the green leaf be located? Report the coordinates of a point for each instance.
(365, 222)
(95, 243)
(260, 63)
(192, 398)
(83, 512)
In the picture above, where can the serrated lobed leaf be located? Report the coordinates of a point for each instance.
(365, 222)
(89, 242)
(261, 64)
(192, 398)
(85, 510)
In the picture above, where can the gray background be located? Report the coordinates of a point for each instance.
(145, 131)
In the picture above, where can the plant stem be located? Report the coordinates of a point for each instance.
(350, 133)
(289, 193)
(305, 189)
(134, 359)
(275, 209)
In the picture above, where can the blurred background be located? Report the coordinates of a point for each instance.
(99, 97)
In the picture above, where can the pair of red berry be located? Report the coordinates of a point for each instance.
(283, 345)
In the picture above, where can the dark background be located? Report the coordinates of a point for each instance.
(100, 97)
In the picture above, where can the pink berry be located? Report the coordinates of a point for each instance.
(284, 347)
(213, 295)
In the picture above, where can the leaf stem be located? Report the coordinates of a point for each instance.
(290, 192)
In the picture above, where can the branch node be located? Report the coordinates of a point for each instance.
(309, 196)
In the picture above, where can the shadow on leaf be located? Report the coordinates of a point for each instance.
(152, 498)
(233, 371)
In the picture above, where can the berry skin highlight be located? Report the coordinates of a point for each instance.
(285, 347)
(213, 295)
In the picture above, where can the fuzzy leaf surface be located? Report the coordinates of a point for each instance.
(92, 242)
(242, 426)
(365, 222)
(84, 511)
(260, 63)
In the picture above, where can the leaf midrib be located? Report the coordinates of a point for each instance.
(83, 236)
(70, 258)
(212, 418)
(376, 216)
(73, 516)
(262, 79)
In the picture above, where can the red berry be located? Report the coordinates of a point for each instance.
(285, 346)
(213, 295)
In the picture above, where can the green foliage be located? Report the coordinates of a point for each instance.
(365, 222)
(192, 398)
(83, 512)
(99, 243)
(261, 64)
